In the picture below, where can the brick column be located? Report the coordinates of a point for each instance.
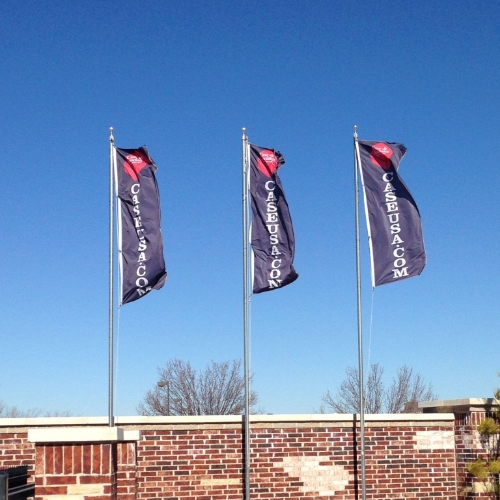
(468, 449)
(85, 463)
(468, 414)
(75, 471)
(126, 471)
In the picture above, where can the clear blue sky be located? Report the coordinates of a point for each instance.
(183, 78)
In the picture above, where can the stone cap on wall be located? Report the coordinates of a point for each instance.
(56, 423)
(284, 418)
(466, 405)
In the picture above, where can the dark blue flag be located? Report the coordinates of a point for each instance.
(273, 241)
(394, 226)
(140, 244)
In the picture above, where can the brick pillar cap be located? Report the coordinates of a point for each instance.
(466, 405)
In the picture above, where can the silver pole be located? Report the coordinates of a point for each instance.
(111, 274)
(244, 140)
(360, 329)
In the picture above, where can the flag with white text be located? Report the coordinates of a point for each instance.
(140, 243)
(394, 225)
(272, 238)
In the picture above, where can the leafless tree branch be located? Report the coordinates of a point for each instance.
(219, 389)
(406, 387)
(14, 412)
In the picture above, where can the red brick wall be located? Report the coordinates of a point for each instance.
(410, 462)
(15, 449)
(179, 459)
(190, 464)
(299, 462)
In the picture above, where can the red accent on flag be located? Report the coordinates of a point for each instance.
(380, 155)
(267, 162)
(134, 163)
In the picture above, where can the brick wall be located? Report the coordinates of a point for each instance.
(299, 461)
(416, 456)
(15, 448)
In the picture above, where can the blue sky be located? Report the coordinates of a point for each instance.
(183, 78)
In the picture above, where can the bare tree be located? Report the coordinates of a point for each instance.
(14, 412)
(347, 398)
(58, 413)
(219, 389)
(406, 387)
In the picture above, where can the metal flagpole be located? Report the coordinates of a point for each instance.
(245, 160)
(111, 275)
(360, 329)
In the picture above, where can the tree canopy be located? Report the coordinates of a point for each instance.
(406, 387)
(219, 389)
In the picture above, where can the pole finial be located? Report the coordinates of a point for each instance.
(355, 131)
(111, 138)
(244, 132)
